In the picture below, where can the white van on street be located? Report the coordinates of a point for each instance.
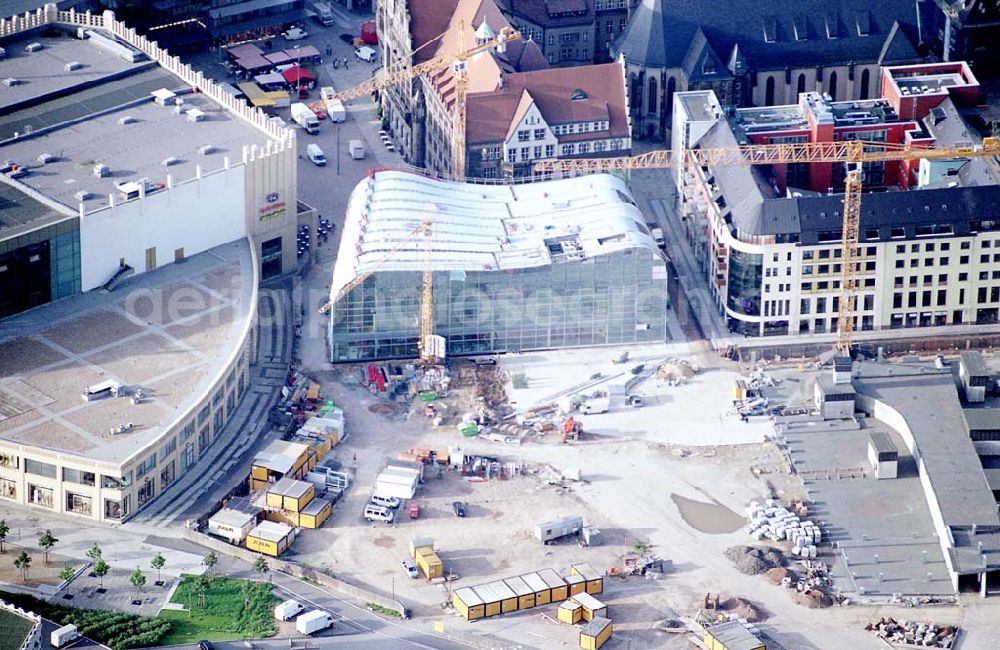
(316, 155)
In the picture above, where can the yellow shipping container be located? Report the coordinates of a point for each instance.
(491, 600)
(270, 538)
(542, 592)
(592, 608)
(525, 596)
(429, 563)
(558, 587)
(596, 633)
(468, 604)
(577, 584)
(731, 635)
(595, 581)
(314, 514)
(569, 612)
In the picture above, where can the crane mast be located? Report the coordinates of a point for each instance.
(853, 153)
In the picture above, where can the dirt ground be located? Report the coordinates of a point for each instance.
(39, 573)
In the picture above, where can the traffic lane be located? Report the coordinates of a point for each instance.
(352, 616)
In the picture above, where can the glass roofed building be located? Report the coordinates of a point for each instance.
(562, 263)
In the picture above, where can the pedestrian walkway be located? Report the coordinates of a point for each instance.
(211, 477)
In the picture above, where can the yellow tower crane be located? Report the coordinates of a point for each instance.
(853, 153)
(459, 64)
(430, 349)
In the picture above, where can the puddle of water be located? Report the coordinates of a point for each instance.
(709, 518)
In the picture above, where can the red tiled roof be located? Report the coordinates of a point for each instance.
(552, 90)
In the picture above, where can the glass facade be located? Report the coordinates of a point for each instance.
(604, 300)
(745, 271)
(39, 266)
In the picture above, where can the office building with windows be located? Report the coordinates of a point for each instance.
(552, 264)
(140, 207)
(768, 237)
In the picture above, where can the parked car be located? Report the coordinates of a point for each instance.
(365, 53)
(414, 511)
(634, 401)
(347, 38)
(409, 568)
(379, 513)
(295, 34)
(459, 508)
(386, 502)
(205, 645)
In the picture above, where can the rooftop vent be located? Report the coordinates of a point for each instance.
(126, 119)
(101, 170)
(170, 161)
(195, 115)
(73, 65)
(578, 94)
(46, 158)
(206, 149)
(11, 81)
(82, 195)
(33, 47)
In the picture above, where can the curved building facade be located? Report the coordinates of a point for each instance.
(566, 263)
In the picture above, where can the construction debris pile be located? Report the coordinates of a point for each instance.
(777, 523)
(402, 383)
(913, 633)
(753, 560)
(676, 371)
(652, 567)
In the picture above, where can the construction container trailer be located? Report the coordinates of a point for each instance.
(569, 612)
(554, 530)
(592, 608)
(594, 579)
(596, 633)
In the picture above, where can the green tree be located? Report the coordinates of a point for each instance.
(101, 569)
(46, 541)
(67, 574)
(157, 563)
(23, 562)
(95, 553)
(4, 529)
(138, 580)
(210, 561)
(261, 566)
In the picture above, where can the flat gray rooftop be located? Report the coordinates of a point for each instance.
(44, 72)
(131, 151)
(168, 331)
(928, 399)
(883, 527)
(87, 101)
(20, 213)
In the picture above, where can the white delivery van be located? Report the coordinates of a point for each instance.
(657, 234)
(316, 155)
(379, 513)
(62, 636)
(288, 610)
(386, 502)
(313, 621)
(357, 149)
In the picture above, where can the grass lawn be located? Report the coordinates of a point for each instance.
(13, 630)
(232, 609)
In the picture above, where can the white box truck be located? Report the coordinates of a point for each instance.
(657, 234)
(305, 118)
(288, 610)
(357, 149)
(62, 636)
(334, 107)
(313, 621)
(321, 12)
